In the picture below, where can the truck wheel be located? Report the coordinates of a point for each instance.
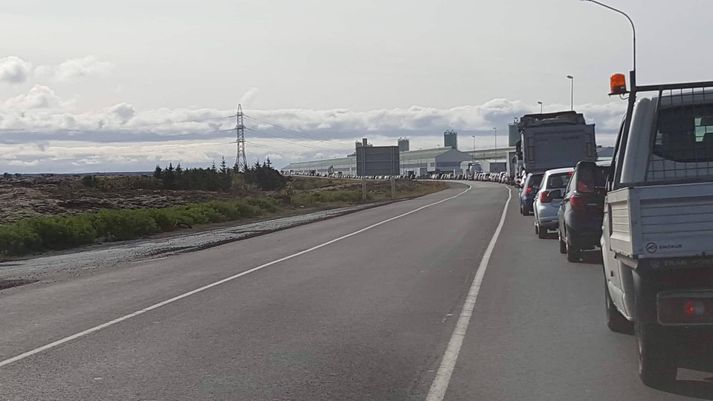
(541, 232)
(573, 253)
(615, 320)
(657, 357)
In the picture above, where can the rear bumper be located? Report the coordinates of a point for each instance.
(584, 237)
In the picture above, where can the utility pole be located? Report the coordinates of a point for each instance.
(571, 92)
(241, 163)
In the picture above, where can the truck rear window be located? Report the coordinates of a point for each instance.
(685, 134)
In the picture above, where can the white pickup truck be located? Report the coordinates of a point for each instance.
(657, 239)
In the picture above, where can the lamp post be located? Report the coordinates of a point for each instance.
(473, 145)
(633, 28)
(540, 103)
(495, 135)
(571, 91)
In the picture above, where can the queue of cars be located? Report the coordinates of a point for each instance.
(650, 212)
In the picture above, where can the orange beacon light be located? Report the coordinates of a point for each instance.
(617, 85)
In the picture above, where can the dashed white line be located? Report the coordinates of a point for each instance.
(206, 287)
(443, 377)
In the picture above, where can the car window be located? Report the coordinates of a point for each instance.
(590, 178)
(558, 180)
(535, 180)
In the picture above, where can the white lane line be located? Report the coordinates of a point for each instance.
(443, 377)
(206, 287)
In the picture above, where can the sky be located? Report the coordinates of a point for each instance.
(88, 85)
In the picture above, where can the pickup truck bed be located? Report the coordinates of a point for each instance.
(662, 221)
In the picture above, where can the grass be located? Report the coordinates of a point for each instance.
(45, 233)
(64, 232)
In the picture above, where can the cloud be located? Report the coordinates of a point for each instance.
(41, 126)
(74, 69)
(14, 70)
(39, 97)
(122, 113)
(248, 97)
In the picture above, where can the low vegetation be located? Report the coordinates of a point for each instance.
(271, 193)
(63, 232)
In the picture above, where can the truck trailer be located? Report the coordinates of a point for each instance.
(555, 140)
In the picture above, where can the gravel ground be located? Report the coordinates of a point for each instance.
(104, 256)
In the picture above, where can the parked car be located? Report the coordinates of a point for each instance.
(548, 200)
(529, 189)
(580, 215)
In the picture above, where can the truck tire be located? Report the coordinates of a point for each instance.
(541, 232)
(563, 245)
(615, 320)
(657, 356)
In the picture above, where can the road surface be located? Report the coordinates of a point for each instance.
(359, 307)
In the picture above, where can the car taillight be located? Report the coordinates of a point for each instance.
(528, 190)
(545, 197)
(577, 201)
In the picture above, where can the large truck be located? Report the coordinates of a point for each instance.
(555, 140)
(657, 239)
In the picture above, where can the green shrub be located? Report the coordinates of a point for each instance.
(18, 239)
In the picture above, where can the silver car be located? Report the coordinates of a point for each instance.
(549, 198)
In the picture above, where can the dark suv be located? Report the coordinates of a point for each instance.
(528, 192)
(582, 210)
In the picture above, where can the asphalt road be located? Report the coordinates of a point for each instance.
(359, 307)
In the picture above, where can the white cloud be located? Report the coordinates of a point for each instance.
(39, 97)
(41, 126)
(248, 97)
(14, 70)
(74, 69)
(122, 112)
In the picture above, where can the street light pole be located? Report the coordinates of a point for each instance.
(495, 134)
(540, 103)
(571, 91)
(633, 28)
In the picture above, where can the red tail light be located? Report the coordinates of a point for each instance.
(545, 197)
(577, 201)
(528, 190)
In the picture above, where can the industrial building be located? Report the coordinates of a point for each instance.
(416, 162)
(450, 139)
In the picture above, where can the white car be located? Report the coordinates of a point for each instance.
(549, 198)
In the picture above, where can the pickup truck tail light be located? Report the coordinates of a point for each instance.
(685, 309)
(545, 197)
(576, 201)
